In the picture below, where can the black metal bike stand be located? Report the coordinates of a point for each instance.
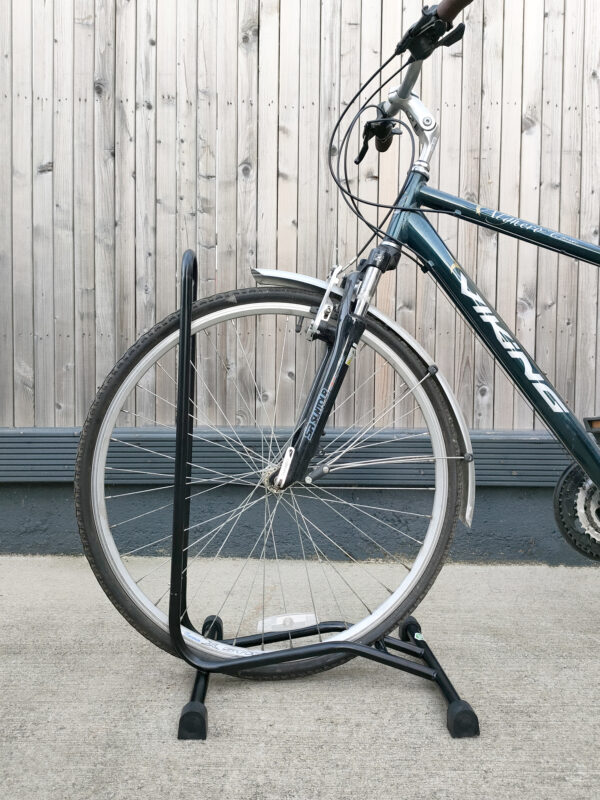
(193, 724)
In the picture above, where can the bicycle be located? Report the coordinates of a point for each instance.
(351, 522)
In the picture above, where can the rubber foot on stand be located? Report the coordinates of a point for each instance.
(193, 722)
(409, 622)
(462, 720)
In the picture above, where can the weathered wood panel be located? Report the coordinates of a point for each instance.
(134, 129)
(62, 178)
(83, 206)
(6, 262)
(22, 233)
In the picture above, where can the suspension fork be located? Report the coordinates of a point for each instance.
(341, 342)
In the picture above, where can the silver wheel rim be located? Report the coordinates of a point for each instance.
(198, 643)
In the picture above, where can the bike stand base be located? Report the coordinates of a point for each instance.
(193, 722)
(461, 719)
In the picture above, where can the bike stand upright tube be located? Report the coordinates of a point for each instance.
(461, 721)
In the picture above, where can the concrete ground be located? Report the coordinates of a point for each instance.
(89, 708)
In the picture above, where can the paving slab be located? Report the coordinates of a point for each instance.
(89, 708)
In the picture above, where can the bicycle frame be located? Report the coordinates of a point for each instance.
(412, 229)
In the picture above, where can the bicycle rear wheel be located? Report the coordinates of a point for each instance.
(362, 543)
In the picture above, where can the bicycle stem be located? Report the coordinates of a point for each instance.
(402, 98)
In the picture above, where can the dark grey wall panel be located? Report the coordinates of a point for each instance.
(519, 459)
(510, 526)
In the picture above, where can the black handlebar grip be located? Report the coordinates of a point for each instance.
(448, 10)
(383, 144)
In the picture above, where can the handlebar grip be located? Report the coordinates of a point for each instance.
(383, 144)
(447, 10)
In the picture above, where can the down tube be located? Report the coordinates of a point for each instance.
(520, 366)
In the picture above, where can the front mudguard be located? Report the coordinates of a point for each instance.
(280, 278)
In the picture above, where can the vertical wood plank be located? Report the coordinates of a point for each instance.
(125, 113)
(247, 149)
(391, 27)
(104, 186)
(187, 33)
(21, 218)
(64, 320)
(350, 36)
(308, 123)
(529, 188)
(287, 196)
(227, 145)
(287, 185)
(83, 207)
(547, 285)
(268, 100)
(489, 178)
(328, 114)
(585, 398)
(308, 169)
(470, 134)
(43, 251)
(125, 72)
(366, 402)
(407, 273)
(247, 145)
(166, 194)
(510, 160)
(6, 254)
(145, 191)
(166, 161)
(570, 198)
(227, 160)
(207, 190)
(207, 127)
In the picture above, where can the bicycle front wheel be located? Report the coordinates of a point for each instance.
(362, 543)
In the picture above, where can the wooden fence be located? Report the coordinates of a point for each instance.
(131, 131)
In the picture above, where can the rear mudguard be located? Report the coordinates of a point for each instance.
(279, 278)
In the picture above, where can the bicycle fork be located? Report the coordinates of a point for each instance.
(341, 340)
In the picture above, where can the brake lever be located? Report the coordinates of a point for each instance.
(425, 35)
(381, 127)
(363, 150)
(455, 35)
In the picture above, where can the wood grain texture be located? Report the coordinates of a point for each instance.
(510, 165)
(529, 186)
(145, 192)
(83, 207)
(104, 187)
(489, 179)
(166, 192)
(22, 198)
(587, 317)
(136, 129)
(6, 254)
(570, 194)
(469, 188)
(62, 172)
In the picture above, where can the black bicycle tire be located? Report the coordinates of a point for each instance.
(87, 529)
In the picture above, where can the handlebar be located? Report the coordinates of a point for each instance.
(433, 30)
(447, 10)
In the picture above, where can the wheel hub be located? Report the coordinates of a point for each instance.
(268, 479)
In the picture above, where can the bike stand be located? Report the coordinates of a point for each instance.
(461, 719)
